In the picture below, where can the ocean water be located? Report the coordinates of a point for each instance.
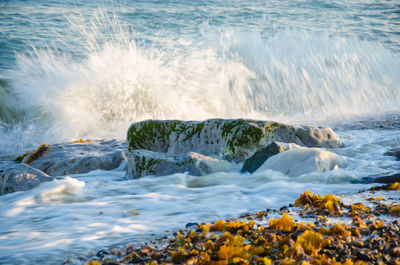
(88, 69)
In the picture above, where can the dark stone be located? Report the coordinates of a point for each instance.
(255, 161)
(395, 252)
(383, 178)
(364, 254)
(101, 253)
(245, 215)
(191, 224)
(283, 208)
(388, 178)
(393, 152)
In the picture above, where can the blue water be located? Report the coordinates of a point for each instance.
(37, 24)
(88, 69)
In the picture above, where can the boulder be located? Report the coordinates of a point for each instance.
(301, 161)
(142, 163)
(393, 152)
(231, 139)
(258, 158)
(78, 157)
(21, 177)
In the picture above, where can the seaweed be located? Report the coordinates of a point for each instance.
(38, 153)
(21, 157)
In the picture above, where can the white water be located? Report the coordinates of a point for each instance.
(69, 217)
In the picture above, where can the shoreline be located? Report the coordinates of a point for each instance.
(313, 230)
(214, 149)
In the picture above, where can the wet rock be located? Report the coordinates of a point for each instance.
(364, 254)
(101, 253)
(142, 163)
(393, 152)
(395, 252)
(110, 261)
(297, 162)
(389, 178)
(188, 225)
(258, 158)
(233, 139)
(358, 243)
(74, 158)
(21, 177)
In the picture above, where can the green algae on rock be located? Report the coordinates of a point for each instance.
(142, 163)
(234, 139)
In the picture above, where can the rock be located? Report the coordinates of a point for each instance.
(389, 178)
(21, 177)
(393, 152)
(364, 254)
(142, 163)
(395, 252)
(232, 139)
(300, 161)
(75, 158)
(6, 162)
(258, 158)
(188, 225)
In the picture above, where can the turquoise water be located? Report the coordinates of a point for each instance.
(89, 69)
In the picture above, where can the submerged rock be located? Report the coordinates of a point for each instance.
(78, 157)
(297, 162)
(21, 177)
(232, 139)
(388, 178)
(142, 163)
(393, 152)
(258, 158)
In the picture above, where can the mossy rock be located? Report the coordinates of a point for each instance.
(233, 139)
(142, 163)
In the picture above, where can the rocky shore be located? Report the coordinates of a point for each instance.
(163, 147)
(346, 229)
(314, 230)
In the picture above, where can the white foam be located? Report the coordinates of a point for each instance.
(55, 221)
(55, 192)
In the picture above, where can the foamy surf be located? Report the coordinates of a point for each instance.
(71, 216)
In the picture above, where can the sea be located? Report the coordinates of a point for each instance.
(74, 69)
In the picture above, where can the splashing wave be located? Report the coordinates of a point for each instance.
(293, 76)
